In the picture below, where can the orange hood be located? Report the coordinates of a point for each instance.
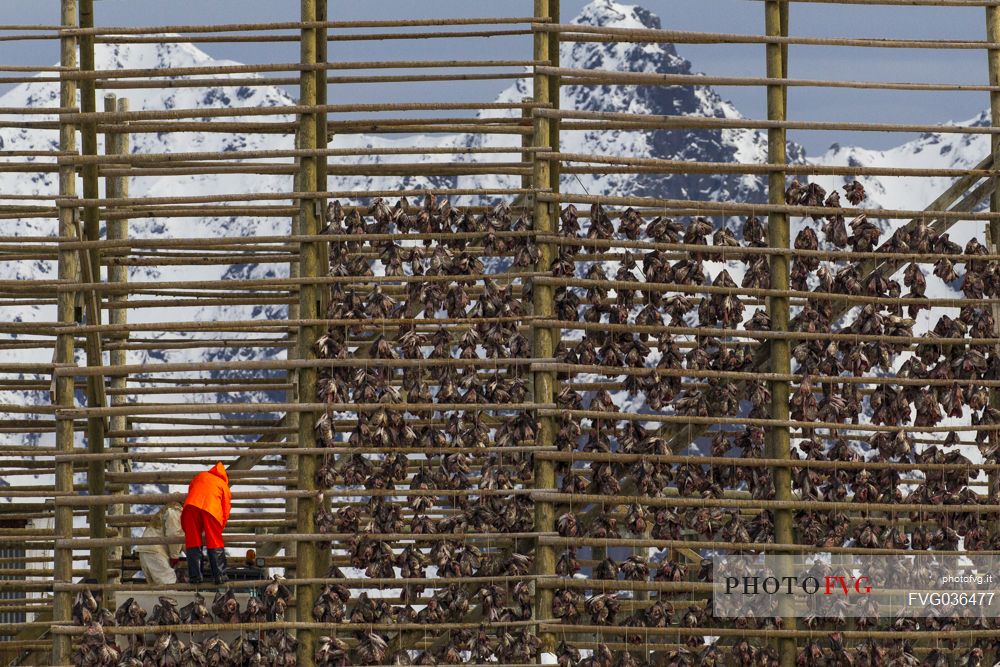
(219, 470)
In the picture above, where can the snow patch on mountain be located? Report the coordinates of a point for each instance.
(936, 150)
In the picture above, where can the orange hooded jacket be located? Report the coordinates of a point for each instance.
(210, 491)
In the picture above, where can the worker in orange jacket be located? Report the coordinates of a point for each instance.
(205, 514)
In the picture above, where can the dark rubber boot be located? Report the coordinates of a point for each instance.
(194, 565)
(217, 561)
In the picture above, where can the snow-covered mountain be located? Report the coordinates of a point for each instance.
(45, 185)
(694, 145)
(937, 150)
(932, 150)
(952, 150)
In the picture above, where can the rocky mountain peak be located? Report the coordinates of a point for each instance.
(613, 14)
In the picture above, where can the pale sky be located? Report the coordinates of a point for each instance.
(739, 16)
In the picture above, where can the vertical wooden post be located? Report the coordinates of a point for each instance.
(293, 419)
(526, 141)
(543, 339)
(555, 86)
(783, 21)
(322, 135)
(779, 440)
(88, 130)
(993, 56)
(69, 270)
(90, 263)
(322, 131)
(117, 143)
(309, 305)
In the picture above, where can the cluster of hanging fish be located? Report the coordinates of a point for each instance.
(674, 335)
(665, 341)
(450, 603)
(943, 356)
(833, 651)
(269, 648)
(460, 266)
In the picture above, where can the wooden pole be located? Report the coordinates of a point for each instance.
(555, 86)
(322, 140)
(90, 265)
(322, 132)
(783, 20)
(543, 338)
(69, 269)
(993, 55)
(117, 143)
(779, 438)
(88, 129)
(310, 264)
(292, 395)
(526, 143)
